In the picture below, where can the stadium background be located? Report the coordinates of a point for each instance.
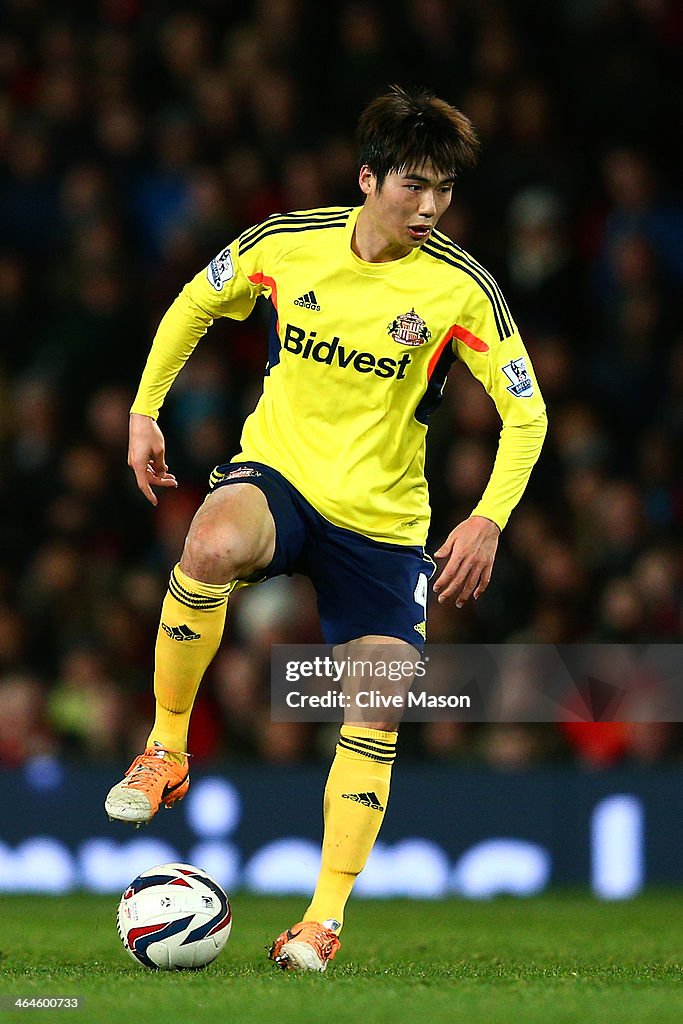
(136, 139)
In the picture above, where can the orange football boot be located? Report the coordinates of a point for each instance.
(150, 781)
(307, 946)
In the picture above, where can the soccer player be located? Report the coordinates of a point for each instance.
(370, 307)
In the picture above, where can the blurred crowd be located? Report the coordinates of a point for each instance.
(137, 139)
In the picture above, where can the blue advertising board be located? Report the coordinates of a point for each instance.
(447, 831)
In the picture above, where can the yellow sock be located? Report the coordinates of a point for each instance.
(190, 631)
(356, 797)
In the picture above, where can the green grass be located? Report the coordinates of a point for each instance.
(556, 959)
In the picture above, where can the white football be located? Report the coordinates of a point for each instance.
(174, 917)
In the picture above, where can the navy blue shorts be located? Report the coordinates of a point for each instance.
(364, 587)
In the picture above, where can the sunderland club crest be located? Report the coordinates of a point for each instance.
(409, 329)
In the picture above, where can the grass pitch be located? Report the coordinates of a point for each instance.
(555, 959)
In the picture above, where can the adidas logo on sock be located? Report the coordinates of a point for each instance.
(308, 301)
(180, 632)
(367, 799)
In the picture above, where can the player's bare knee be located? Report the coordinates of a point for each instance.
(216, 552)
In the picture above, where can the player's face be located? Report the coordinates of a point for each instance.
(408, 206)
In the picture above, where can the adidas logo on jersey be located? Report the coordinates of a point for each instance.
(366, 799)
(180, 632)
(308, 301)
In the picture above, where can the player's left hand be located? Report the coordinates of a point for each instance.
(470, 549)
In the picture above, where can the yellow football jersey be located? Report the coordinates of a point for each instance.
(358, 357)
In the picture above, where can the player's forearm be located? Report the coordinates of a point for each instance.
(518, 451)
(179, 331)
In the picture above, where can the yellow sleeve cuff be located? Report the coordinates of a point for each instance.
(179, 331)
(518, 450)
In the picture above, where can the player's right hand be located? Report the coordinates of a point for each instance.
(146, 456)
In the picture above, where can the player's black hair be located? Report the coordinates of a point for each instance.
(402, 129)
